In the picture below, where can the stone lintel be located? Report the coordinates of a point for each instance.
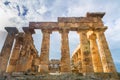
(43, 25)
(11, 30)
(70, 19)
(96, 14)
(54, 26)
(27, 30)
(78, 19)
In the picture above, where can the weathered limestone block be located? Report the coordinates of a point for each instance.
(25, 57)
(28, 52)
(65, 55)
(97, 14)
(106, 58)
(29, 63)
(44, 56)
(97, 65)
(6, 50)
(54, 65)
(107, 61)
(76, 60)
(79, 61)
(79, 54)
(91, 20)
(78, 19)
(86, 58)
(16, 53)
(24, 53)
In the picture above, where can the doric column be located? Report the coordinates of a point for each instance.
(65, 54)
(75, 58)
(15, 54)
(86, 58)
(44, 56)
(97, 65)
(6, 50)
(107, 61)
(79, 54)
(79, 61)
(31, 52)
(27, 51)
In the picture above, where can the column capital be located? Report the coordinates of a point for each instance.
(11, 30)
(100, 29)
(20, 37)
(28, 30)
(82, 31)
(92, 36)
(46, 31)
(64, 31)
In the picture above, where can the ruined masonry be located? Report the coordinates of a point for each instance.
(91, 56)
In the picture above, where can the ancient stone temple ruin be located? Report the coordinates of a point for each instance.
(91, 56)
(54, 65)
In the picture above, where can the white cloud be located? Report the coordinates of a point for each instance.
(114, 29)
(42, 10)
(3, 35)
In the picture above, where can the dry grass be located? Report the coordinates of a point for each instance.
(68, 76)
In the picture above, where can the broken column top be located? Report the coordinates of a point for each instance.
(11, 30)
(97, 14)
(28, 30)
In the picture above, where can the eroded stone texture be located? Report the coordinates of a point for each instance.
(54, 65)
(24, 54)
(76, 60)
(65, 54)
(16, 52)
(6, 50)
(107, 61)
(97, 65)
(86, 58)
(44, 56)
(28, 54)
(92, 21)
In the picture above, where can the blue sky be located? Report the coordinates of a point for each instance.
(20, 12)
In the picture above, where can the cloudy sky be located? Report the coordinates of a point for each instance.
(20, 12)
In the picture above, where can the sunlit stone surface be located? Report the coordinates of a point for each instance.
(91, 57)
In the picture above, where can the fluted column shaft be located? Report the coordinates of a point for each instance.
(79, 55)
(75, 58)
(44, 56)
(107, 61)
(79, 61)
(97, 65)
(25, 54)
(86, 59)
(65, 54)
(14, 56)
(6, 50)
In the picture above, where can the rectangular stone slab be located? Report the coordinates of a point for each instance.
(27, 29)
(57, 26)
(11, 30)
(98, 14)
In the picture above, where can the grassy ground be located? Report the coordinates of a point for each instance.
(69, 76)
(119, 74)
